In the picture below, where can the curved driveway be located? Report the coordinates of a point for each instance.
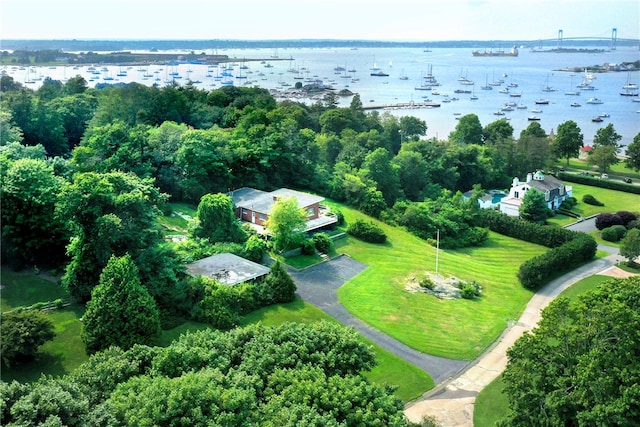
(452, 401)
(318, 285)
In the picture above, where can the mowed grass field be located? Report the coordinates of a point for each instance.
(66, 351)
(613, 200)
(459, 328)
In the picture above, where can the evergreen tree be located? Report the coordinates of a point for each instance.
(121, 312)
(534, 207)
(281, 283)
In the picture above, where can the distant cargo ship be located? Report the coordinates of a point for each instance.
(512, 52)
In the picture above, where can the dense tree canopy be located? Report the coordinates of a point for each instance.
(293, 374)
(110, 214)
(31, 232)
(576, 367)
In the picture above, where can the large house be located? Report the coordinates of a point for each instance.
(254, 206)
(554, 190)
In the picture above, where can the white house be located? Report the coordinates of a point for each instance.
(554, 190)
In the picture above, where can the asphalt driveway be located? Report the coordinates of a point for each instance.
(318, 284)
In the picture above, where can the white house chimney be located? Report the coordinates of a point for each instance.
(529, 177)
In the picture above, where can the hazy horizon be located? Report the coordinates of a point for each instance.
(342, 20)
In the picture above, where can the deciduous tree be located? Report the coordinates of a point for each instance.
(286, 223)
(576, 367)
(568, 140)
(216, 220)
(630, 246)
(633, 154)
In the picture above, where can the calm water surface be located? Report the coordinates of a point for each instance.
(525, 75)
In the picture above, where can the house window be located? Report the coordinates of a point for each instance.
(311, 211)
(547, 195)
(516, 195)
(263, 217)
(245, 212)
(562, 190)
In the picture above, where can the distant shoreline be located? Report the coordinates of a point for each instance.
(116, 45)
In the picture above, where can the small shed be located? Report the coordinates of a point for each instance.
(227, 268)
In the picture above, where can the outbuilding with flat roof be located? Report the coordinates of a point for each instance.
(227, 268)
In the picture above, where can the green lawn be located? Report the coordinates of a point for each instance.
(491, 404)
(25, 289)
(616, 171)
(178, 221)
(613, 200)
(459, 329)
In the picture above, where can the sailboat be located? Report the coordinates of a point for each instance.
(548, 88)
(486, 84)
(630, 89)
(473, 95)
(572, 92)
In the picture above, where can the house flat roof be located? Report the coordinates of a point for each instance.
(227, 268)
(262, 202)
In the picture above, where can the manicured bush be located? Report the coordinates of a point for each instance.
(610, 234)
(569, 203)
(322, 242)
(590, 200)
(570, 248)
(367, 231)
(537, 271)
(614, 233)
(469, 290)
(511, 226)
(308, 247)
(626, 217)
(633, 224)
(606, 220)
(339, 216)
(426, 282)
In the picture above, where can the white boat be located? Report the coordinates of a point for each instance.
(594, 101)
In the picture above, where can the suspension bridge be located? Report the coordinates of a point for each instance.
(613, 40)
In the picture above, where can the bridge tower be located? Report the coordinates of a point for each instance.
(559, 39)
(614, 38)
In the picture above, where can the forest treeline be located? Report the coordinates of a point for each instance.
(184, 142)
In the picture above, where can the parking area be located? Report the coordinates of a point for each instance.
(318, 284)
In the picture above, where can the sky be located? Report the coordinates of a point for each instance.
(393, 20)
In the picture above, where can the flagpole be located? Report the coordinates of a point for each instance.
(437, 251)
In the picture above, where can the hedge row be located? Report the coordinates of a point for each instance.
(569, 248)
(599, 182)
(551, 237)
(367, 231)
(537, 271)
